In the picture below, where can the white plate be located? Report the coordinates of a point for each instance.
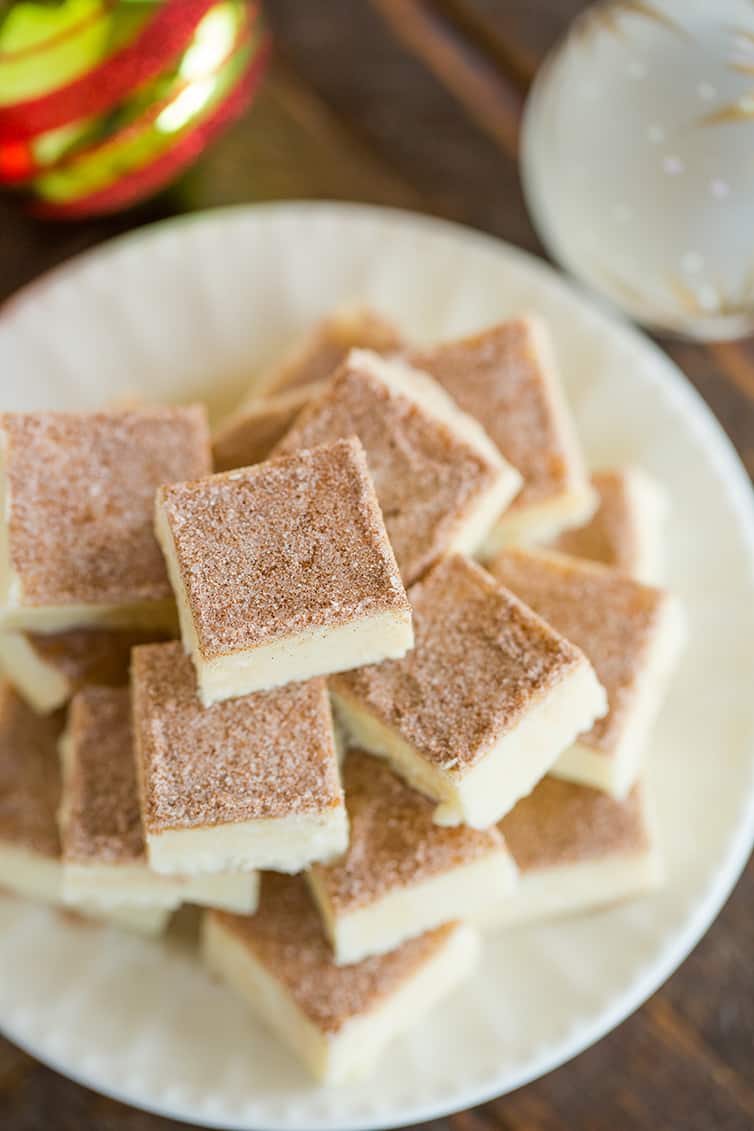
(194, 307)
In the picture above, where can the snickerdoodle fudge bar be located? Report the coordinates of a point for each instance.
(402, 874)
(507, 378)
(632, 634)
(30, 792)
(320, 353)
(440, 480)
(47, 669)
(77, 546)
(482, 707)
(575, 849)
(625, 531)
(249, 783)
(283, 571)
(250, 435)
(336, 1019)
(104, 855)
(29, 798)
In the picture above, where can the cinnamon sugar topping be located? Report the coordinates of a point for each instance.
(81, 491)
(610, 536)
(501, 377)
(562, 823)
(481, 660)
(249, 436)
(270, 754)
(29, 775)
(393, 841)
(278, 549)
(427, 474)
(100, 792)
(322, 352)
(286, 936)
(611, 617)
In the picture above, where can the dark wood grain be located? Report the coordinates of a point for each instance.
(415, 104)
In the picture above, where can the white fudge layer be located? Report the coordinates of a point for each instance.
(279, 844)
(30, 874)
(40, 684)
(118, 886)
(546, 893)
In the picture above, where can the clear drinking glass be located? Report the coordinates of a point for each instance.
(638, 160)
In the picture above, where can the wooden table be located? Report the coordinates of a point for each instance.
(417, 104)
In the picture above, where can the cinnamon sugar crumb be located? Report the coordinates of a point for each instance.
(270, 754)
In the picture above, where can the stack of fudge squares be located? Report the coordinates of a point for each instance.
(379, 683)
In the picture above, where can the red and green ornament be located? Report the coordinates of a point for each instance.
(103, 102)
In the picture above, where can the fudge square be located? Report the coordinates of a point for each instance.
(483, 706)
(318, 356)
(283, 571)
(402, 874)
(47, 669)
(77, 546)
(440, 480)
(29, 798)
(104, 855)
(252, 782)
(631, 633)
(336, 1019)
(506, 377)
(30, 791)
(250, 434)
(625, 531)
(576, 849)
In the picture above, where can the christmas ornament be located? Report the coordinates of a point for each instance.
(103, 102)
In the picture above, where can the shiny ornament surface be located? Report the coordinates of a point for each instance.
(637, 160)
